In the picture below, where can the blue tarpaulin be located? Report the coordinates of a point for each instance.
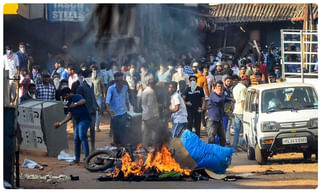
(210, 156)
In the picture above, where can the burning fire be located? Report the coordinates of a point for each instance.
(162, 161)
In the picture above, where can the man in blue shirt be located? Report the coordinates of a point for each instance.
(215, 114)
(23, 57)
(78, 111)
(117, 105)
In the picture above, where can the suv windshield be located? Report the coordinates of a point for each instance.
(292, 98)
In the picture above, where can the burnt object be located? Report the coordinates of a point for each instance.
(74, 178)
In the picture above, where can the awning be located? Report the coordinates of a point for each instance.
(240, 13)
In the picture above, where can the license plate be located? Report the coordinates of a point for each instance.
(295, 140)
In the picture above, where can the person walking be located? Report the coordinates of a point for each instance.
(86, 90)
(117, 105)
(215, 114)
(194, 98)
(99, 92)
(79, 112)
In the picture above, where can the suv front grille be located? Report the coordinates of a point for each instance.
(300, 124)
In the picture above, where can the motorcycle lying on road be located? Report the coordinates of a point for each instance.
(105, 158)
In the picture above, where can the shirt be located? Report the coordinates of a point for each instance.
(239, 94)
(132, 79)
(216, 107)
(73, 78)
(228, 105)
(98, 87)
(254, 81)
(45, 93)
(64, 74)
(210, 81)
(162, 77)
(118, 101)
(87, 92)
(194, 97)
(177, 77)
(11, 62)
(105, 75)
(202, 82)
(149, 104)
(181, 115)
(79, 113)
(188, 70)
(23, 60)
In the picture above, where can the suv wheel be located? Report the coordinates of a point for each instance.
(261, 156)
(250, 153)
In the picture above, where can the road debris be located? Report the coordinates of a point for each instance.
(66, 156)
(27, 163)
(45, 178)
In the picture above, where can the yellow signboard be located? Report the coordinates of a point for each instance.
(10, 8)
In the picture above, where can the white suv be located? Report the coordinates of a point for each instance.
(281, 118)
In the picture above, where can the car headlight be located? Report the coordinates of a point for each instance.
(269, 126)
(314, 123)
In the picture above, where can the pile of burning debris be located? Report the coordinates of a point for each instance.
(144, 164)
(187, 159)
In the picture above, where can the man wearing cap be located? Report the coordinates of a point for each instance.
(195, 101)
(239, 93)
(11, 62)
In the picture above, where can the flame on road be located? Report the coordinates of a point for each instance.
(162, 161)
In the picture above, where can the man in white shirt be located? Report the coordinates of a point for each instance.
(73, 76)
(180, 75)
(11, 63)
(150, 115)
(178, 109)
(239, 94)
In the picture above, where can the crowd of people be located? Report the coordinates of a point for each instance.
(190, 90)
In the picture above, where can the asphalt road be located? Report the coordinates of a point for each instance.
(286, 171)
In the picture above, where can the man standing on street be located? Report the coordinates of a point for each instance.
(79, 112)
(215, 114)
(46, 90)
(99, 92)
(117, 105)
(239, 94)
(195, 102)
(150, 115)
(11, 63)
(178, 109)
(86, 90)
(228, 107)
(24, 58)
